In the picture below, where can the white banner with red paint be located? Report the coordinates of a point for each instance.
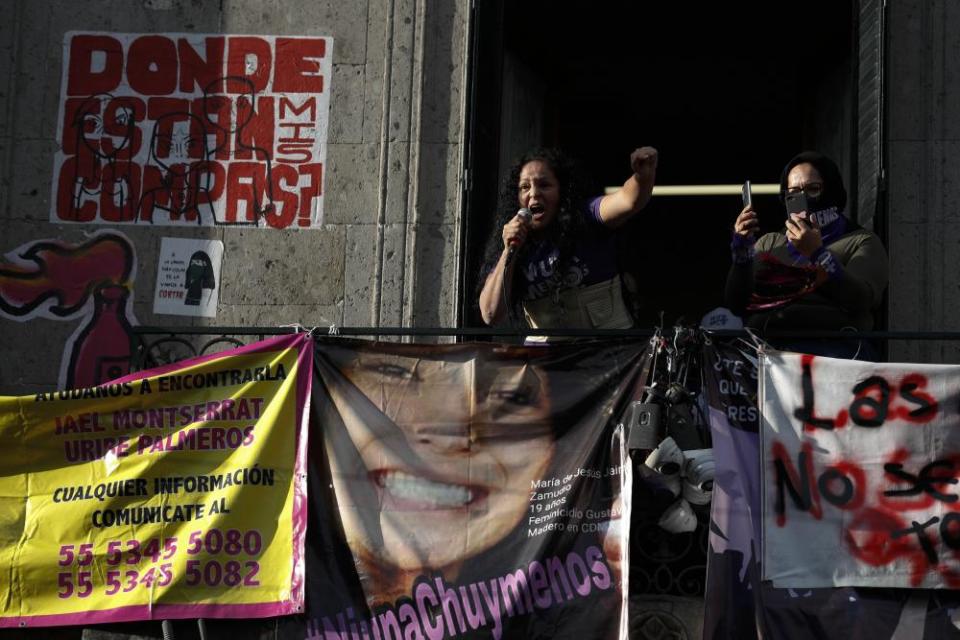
(192, 129)
(860, 473)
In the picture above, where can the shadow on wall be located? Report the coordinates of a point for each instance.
(90, 282)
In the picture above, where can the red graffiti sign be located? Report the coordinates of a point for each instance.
(862, 473)
(178, 129)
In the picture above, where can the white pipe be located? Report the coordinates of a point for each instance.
(708, 189)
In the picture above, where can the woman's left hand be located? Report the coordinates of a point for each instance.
(804, 234)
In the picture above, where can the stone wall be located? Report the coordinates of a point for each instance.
(923, 174)
(387, 252)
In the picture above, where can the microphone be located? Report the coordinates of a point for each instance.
(526, 216)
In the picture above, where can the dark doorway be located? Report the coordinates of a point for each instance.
(725, 91)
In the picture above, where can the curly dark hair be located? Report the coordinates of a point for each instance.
(563, 230)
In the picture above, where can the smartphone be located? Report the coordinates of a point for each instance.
(796, 202)
(747, 194)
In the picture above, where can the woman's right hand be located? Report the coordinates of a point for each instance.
(515, 233)
(747, 224)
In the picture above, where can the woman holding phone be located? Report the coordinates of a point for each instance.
(823, 271)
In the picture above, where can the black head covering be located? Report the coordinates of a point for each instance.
(834, 195)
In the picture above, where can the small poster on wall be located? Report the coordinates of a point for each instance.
(188, 277)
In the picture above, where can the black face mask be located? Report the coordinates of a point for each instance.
(815, 203)
(832, 194)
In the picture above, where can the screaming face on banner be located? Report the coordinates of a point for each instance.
(477, 490)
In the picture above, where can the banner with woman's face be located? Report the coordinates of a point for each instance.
(469, 490)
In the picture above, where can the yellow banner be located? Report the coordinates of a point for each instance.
(172, 493)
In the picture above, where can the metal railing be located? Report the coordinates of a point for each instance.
(663, 564)
(158, 345)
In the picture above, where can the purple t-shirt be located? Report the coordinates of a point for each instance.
(594, 258)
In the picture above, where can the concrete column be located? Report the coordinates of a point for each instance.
(420, 162)
(924, 174)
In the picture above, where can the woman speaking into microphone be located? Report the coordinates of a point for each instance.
(554, 260)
